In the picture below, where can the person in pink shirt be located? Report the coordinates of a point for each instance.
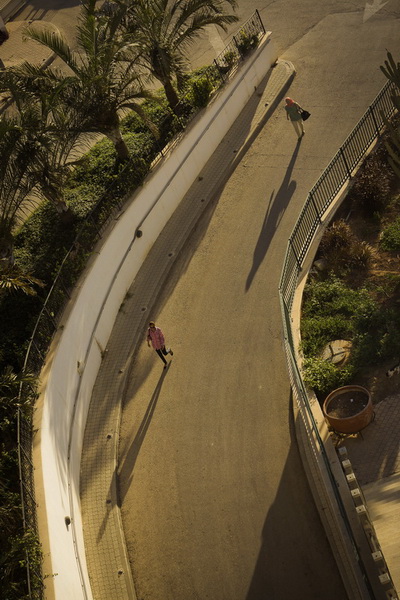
(155, 337)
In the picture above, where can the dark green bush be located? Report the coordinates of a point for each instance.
(323, 377)
(246, 42)
(372, 186)
(318, 331)
(342, 251)
(200, 92)
(337, 236)
(229, 58)
(332, 310)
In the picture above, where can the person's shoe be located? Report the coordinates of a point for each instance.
(170, 351)
(165, 366)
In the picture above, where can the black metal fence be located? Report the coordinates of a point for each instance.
(72, 265)
(320, 198)
(336, 174)
(243, 41)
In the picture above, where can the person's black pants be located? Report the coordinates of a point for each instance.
(161, 353)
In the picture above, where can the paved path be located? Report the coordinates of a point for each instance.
(213, 495)
(246, 503)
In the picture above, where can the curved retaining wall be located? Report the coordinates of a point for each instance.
(74, 358)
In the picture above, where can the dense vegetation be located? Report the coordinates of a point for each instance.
(353, 292)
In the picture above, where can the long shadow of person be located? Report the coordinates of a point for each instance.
(116, 494)
(275, 209)
(126, 471)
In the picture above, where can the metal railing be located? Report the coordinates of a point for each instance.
(46, 325)
(336, 174)
(242, 41)
(339, 171)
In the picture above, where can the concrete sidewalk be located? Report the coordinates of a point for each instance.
(17, 49)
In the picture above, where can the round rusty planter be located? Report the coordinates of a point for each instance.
(340, 405)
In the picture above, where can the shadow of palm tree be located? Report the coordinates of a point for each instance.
(276, 208)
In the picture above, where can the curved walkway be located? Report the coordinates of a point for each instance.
(106, 556)
(214, 500)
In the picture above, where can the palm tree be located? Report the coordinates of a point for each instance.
(14, 544)
(12, 280)
(103, 79)
(35, 146)
(52, 126)
(16, 183)
(165, 29)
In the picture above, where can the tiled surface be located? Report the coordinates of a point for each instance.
(375, 453)
(375, 459)
(383, 501)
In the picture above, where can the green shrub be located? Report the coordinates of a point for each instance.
(390, 237)
(336, 237)
(323, 377)
(229, 58)
(198, 87)
(318, 331)
(332, 310)
(342, 251)
(200, 92)
(98, 166)
(246, 42)
(333, 296)
(360, 257)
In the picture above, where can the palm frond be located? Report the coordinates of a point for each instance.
(56, 43)
(12, 280)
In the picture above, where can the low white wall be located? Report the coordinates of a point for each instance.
(75, 356)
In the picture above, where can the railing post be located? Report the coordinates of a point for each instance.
(345, 161)
(50, 317)
(311, 196)
(259, 18)
(295, 255)
(371, 110)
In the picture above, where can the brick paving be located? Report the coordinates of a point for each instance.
(375, 453)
